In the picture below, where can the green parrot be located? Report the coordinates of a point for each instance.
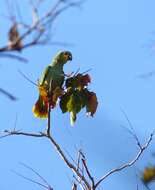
(50, 84)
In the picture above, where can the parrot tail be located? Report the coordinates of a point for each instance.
(40, 109)
(72, 118)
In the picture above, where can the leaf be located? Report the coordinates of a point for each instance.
(148, 174)
(72, 118)
(77, 96)
(92, 104)
(85, 79)
(63, 102)
(78, 81)
(75, 102)
(15, 41)
(71, 82)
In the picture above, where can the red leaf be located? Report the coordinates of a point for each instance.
(92, 103)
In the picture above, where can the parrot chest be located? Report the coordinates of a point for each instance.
(52, 78)
(56, 78)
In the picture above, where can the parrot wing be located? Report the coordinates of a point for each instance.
(45, 75)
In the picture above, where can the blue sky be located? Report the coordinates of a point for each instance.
(115, 40)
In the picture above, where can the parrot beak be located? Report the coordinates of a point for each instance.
(70, 57)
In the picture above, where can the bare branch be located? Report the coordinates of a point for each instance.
(83, 186)
(36, 32)
(49, 120)
(23, 75)
(56, 145)
(47, 185)
(31, 180)
(12, 56)
(35, 172)
(8, 94)
(128, 164)
(6, 133)
(74, 187)
(78, 160)
(131, 129)
(83, 181)
(88, 172)
(68, 163)
(76, 163)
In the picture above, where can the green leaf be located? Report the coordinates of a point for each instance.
(70, 82)
(77, 96)
(72, 118)
(63, 102)
(75, 102)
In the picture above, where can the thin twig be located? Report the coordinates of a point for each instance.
(68, 163)
(128, 164)
(39, 27)
(23, 75)
(78, 160)
(12, 56)
(16, 132)
(49, 120)
(33, 181)
(83, 186)
(71, 166)
(8, 94)
(35, 172)
(57, 147)
(68, 154)
(88, 172)
(131, 130)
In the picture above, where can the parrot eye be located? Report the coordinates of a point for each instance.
(68, 55)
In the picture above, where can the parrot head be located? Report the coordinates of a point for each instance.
(64, 56)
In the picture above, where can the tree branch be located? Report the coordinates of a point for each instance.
(33, 181)
(88, 172)
(40, 27)
(8, 94)
(49, 121)
(128, 164)
(15, 57)
(68, 163)
(79, 175)
(56, 145)
(6, 133)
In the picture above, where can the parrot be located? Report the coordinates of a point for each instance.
(50, 84)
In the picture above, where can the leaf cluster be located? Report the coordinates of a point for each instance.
(77, 96)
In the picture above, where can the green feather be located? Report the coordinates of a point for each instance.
(53, 75)
(52, 78)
